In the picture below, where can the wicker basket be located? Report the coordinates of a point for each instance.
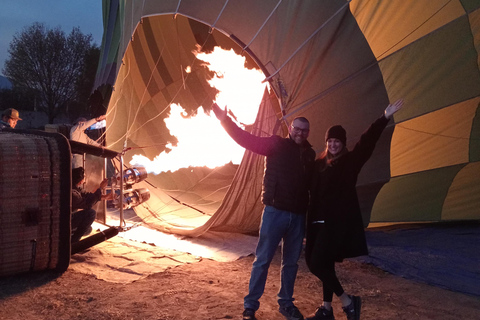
(35, 195)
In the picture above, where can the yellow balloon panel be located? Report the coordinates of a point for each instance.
(435, 140)
(391, 25)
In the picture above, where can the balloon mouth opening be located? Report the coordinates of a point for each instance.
(195, 150)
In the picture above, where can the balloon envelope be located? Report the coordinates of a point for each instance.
(334, 62)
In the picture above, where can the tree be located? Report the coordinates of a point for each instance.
(17, 98)
(50, 62)
(81, 106)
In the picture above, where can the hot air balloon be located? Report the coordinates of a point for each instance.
(333, 62)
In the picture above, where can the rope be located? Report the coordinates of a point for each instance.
(307, 40)
(218, 17)
(338, 84)
(263, 25)
(327, 91)
(178, 7)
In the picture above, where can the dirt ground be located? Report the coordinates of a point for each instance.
(215, 290)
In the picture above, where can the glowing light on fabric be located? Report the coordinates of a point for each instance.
(201, 139)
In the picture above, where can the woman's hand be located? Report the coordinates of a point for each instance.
(392, 108)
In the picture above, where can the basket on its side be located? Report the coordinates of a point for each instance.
(35, 201)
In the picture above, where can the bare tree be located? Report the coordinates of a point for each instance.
(49, 62)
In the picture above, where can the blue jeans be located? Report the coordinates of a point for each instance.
(277, 225)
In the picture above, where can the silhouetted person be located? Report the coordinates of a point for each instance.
(334, 221)
(83, 202)
(288, 168)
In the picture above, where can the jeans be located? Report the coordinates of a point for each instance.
(81, 221)
(277, 225)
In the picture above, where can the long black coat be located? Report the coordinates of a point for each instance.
(334, 200)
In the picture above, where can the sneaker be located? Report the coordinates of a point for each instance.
(291, 313)
(322, 314)
(353, 309)
(249, 314)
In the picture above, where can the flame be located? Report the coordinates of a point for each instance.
(241, 89)
(202, 141)
(205, 143)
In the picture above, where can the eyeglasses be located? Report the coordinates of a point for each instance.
(300, 130)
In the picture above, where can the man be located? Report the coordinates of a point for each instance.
(83, 202)
(9, 118)
(288, 166)
(77, 133)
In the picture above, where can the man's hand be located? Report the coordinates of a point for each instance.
(103, 184)
(108, 196)
(219, 113)
(392, 108)
(102, 117)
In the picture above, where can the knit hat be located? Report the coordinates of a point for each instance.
(337, 132)
(77, 175)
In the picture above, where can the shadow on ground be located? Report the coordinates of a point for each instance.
(441, 254)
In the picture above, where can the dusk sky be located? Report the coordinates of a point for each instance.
(15, 15)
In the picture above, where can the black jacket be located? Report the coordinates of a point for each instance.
(82, 200)
(334, 199)
(288, 168)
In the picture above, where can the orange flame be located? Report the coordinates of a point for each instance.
(201, 139)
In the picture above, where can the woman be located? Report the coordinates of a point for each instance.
(334, 222)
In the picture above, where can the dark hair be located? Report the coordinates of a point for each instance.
(77, 175)
(303, 119)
